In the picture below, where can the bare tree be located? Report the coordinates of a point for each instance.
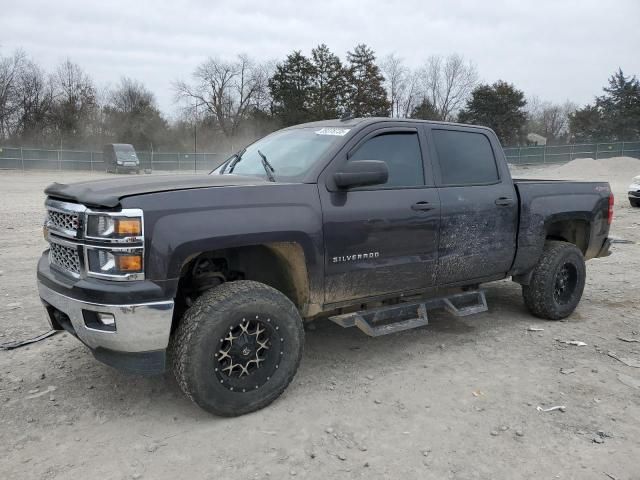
(549, 119)
(35, 100)
(395, 74)
(403, 85)
(132, 116)
(447, 82)
(75, 103)
(411, 94)
(130, 96)
(228, 90)
(10, 69)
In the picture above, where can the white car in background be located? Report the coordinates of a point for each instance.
(634, 192)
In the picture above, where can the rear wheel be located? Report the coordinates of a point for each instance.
(635, 203)
(557, 282)
(237, 348)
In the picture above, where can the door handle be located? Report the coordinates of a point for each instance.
(504, 201)
(422, 206)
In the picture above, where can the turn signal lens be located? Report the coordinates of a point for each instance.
(128, 263)
(128, 227)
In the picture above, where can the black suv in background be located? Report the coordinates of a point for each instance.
(120, 157)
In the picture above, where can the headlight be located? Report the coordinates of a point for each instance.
(111, 227)
(114, 263)
(117, 249)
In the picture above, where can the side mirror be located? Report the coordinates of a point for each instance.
(361, 173)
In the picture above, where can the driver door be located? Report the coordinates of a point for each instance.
(382, 239)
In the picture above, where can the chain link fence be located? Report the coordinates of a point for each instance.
(566, 153)
(20, 158)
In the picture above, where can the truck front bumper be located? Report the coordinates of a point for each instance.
(134, 339)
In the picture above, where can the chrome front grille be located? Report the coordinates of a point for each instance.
(63, 221)
(64, 257)
(65, 228)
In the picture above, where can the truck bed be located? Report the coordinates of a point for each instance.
(545, 202)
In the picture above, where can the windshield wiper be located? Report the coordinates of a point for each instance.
(223, 166)
(267, 166)
(233, 161)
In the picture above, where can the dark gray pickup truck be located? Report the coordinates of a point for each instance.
(368, 222)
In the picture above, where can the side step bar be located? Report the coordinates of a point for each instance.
(404, 316)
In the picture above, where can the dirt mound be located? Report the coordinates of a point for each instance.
(618, 171)
(616, 168)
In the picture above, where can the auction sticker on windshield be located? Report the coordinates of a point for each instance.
(335, 131)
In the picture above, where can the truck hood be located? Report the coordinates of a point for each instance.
(108, 192)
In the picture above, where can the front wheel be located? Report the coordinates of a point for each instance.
(237, 348)
(557, 282)
(635, 203)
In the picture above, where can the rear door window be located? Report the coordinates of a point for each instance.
(465, 158)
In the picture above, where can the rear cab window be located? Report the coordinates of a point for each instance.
(465, 158)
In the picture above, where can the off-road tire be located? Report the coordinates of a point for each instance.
(634, 203)
(540, 296)
(198, 337)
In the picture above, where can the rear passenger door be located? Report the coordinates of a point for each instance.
(478, 203)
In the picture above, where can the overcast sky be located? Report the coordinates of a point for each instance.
(554, 49)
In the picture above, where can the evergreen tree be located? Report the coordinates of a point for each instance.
(620, 107)
(291, 88)
(329, 84)
(585, 125)
(425, 110)
(615, 116)
(499, 106)
(367, 96)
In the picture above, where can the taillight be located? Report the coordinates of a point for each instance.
(610, 215)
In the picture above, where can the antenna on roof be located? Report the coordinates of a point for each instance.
(346, 116)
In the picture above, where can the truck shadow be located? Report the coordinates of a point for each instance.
(505, 308)
(330, 350)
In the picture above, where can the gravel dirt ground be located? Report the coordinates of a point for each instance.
(457, 399)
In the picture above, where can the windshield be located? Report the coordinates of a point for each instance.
(291, 153)
(125, 153)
